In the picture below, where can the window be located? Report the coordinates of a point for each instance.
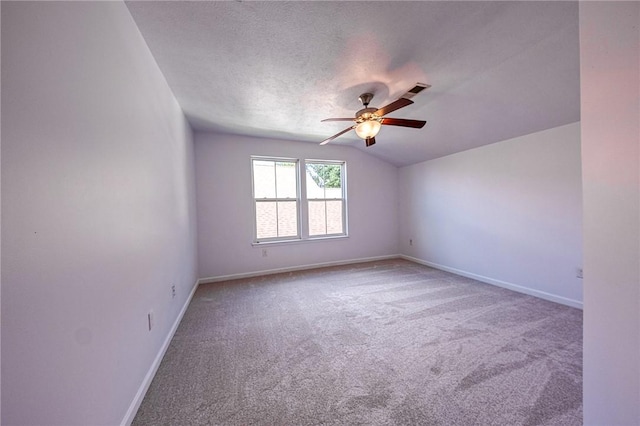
(325, 197)
(279, 188)
(276, 202)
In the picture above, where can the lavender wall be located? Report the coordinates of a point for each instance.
(610, 109)
(509, 213)
(98, 212)
(225, 215)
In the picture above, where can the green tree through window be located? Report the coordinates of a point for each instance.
(325, 175)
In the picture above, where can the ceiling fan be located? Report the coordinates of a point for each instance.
(369, 120)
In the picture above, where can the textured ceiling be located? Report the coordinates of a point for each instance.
(275, 69)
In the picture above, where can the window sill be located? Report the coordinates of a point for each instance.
(300, 240)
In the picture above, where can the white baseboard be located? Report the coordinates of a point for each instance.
(503, 284)
(137, 400)
(293, 268)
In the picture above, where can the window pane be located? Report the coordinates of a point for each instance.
(287, 219)
(264, 179)
(313, 189)
(266, 220)
(276, 219)
(324, 180)
(334, 217)
(317, 218)
(286, 180)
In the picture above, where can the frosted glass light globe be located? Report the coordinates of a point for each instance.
(368, 129)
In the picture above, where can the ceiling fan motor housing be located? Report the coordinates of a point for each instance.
(366, 114)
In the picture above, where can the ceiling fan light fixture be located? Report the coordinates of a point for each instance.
(368, 129)
(369, 120)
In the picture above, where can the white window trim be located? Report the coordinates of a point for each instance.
(254, 200)
(343, 187)
(302, 203)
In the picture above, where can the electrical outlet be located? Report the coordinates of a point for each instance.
(173, 291)
(264, 252)
(151, 320)
(579, 273)
(410, 242)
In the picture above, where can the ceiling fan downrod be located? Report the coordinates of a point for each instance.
(365, 98)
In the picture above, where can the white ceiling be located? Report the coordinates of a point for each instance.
(275, 69)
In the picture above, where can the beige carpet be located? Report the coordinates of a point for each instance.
(382, 343)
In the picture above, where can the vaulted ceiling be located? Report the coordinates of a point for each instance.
(276, 69)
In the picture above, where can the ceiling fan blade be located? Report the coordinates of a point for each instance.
(369, 141)
(338, 119)
(324, 142)
(402, 102)
(417, 124)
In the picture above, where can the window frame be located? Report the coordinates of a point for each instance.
(254, 200)
(343, 189)
(302, 212)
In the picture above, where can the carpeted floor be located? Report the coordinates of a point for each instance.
(381, 343)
